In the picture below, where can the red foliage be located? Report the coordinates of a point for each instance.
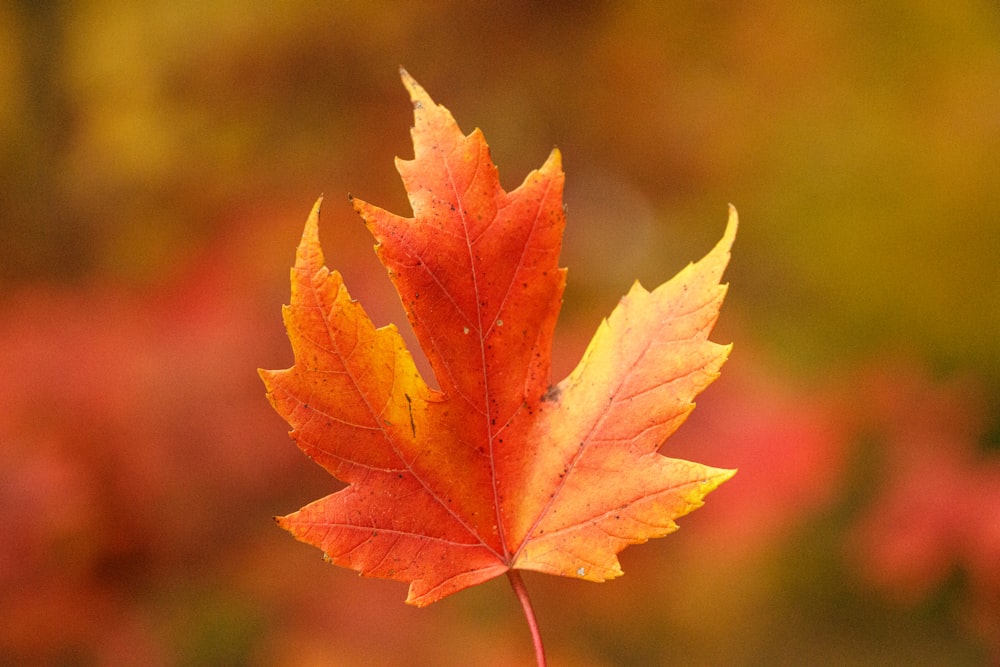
(125, 413)
(938, 512)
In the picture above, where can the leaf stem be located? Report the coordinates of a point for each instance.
(522, 595)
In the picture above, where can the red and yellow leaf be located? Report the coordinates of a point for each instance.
(498, 469)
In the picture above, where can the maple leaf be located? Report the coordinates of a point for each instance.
(498, 469)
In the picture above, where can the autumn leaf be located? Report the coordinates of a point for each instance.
(497, 469)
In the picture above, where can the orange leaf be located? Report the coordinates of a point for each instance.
(498, 469)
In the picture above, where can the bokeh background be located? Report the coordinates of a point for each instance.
(158, 160)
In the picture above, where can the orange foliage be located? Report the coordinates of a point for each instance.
(498, 469)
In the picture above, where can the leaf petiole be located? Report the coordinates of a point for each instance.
(522, 595)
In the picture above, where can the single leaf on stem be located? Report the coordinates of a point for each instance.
(499, 469)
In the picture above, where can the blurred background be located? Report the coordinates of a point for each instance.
(158, 161)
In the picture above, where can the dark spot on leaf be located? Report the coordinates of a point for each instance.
(409, 406)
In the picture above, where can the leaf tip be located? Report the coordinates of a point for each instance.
(310, 234)
(555, 159)
(718, 477)
(731, 225)
(717, 259)
(266, 375)
(418, 95)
